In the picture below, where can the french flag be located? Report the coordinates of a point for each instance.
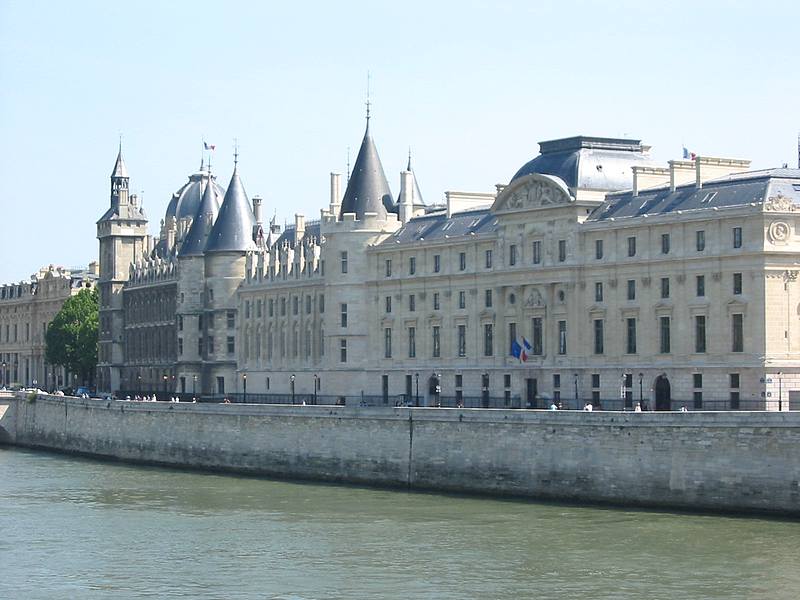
(526, 348)
(211, 147)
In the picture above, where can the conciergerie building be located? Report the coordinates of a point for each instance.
(592, 275)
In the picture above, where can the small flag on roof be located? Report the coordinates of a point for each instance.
(688, 155)
(213, 147)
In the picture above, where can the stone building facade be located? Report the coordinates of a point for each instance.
(26, 309)
(594, 275)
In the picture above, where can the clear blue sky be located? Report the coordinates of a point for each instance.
(470, 86)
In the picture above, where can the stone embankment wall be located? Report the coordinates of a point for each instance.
(731, 461)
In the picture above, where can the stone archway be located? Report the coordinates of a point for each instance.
(663, 392)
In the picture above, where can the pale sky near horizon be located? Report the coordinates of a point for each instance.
(471, 87)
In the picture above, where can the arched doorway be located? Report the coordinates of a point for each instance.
(663, 393)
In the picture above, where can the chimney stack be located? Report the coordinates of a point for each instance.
(336, 188)
(257, 209)
(406, 208)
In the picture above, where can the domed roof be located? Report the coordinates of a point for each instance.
(186, 201)
(593, 163)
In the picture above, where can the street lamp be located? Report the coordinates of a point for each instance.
(138, 382)
(244, 388)
(316, 387)
(416, 398)
(780, 392)
(641, 395)
(291, 383)
(3, 372)
(485, 389)
(437, 390)
(165, 383)
(577, 402)
(194, 386)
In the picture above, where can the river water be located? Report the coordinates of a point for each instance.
(76, 528)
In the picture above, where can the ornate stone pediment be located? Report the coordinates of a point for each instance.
(532, 192)
(780, 203)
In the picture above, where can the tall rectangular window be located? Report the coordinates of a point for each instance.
(665, 287)
(271, 305)
(700, 240)
(295, 302)
(598, 249)
(488, 298)
(343, 350)
(488, 259)
(700, 334)
(462, 299)
(462, 261)
(562, 337)
(562, 250)
(488, 341)
(388, 267)
(387, 342)
(631, 289)
(437, 350)
(737, 237)
(462, 340)
(737, 332)
(512, 255)
(664, 243)
(630, 331)
(435, 300)
(631, 246)
(598, 291)
(537, 252)
(412, 265)
(700, 284)
(664, 337)
(343, 257)
(598, 336)
(412, 342)
(412, 303)
(343, 313)
(536, 334)
(437, 263)
(388, 304)
(230, 344)
(737, 283)
(512, 335)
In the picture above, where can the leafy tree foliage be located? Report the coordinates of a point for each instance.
(71, 338)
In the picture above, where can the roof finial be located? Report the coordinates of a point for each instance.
(120, 142)
(348, 163)
(368, 102)
(235, 152)
(409, 159)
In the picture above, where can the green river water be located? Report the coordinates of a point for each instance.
(76, 528)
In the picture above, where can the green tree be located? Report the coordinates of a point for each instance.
(71, 338)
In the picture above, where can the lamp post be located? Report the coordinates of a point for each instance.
(138, 382)
(194, 386)
(244, 388)
(416, 397)
(3, 372)
(165, 384)
(622, 391)
(641, 395)
(577, 402)
(485, 389)
(316, 387)
(780, 392)
(437, 390)
(291, 383)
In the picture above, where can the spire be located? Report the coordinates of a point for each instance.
(233, 229)
(408, 168)
(120, 170)
(196, 238)
(367, 189)
(416, 196)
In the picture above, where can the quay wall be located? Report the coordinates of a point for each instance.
(721, 461)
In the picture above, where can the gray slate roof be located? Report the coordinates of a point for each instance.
(186, 201)
(195, 242)
(589, 162)
(120, 170)
(735, 190)
(233, 229)
(367, 190)
(437, 226)
(290, 234)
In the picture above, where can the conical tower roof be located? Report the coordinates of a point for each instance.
(367, 191)
(120, 170)
(196, 238)
(416, 194)
(233, 229)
